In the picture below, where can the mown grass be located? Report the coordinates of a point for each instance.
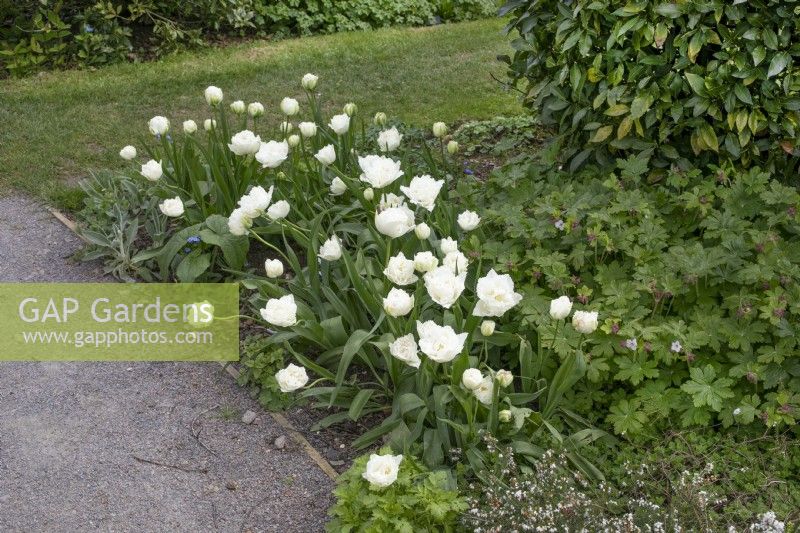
(58, 126)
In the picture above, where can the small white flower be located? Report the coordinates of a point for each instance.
(158, 125)
(405, 349)
(281, 311)
(452, 147)
(439, 129)
(584, 321)
(290, 106)
(468, 220)
(400, 270)
(422, 231)
(471, 378)
(309, 82)
(559, 224)
(238, 107)
(422, 191)
(338, 187)
(172, 207)
(209, 124)
(278, 210)
(189, 127)
(245, 143)
(381, 470)
(369, 194)
(340, 123)
(448, 245)
(398, 303)
(395, 221)
(560, 308)
(128, 153)
(326, 155)
(291, 378)
(443, 286)
(485, 391)
(676, 346)
(379, 171)
(495, 295)
(271, 154)
(504, 378)
(456, 261)
(255, 109)
(331, 250)
(213, 95)
(487, 328)
(152, 170)
(425, 261)
(273, 268)
(737, 411)
(440, 343)
(631, 344)
(389, 140)
(307, 129)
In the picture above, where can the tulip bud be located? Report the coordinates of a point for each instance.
(369, 194)
(422, 231)
(293, 140)
(309, 82)
(273, 267)
(504, 378)
(439, 129)
(380, 119)
(487, 328)
(255, 109)
(504, 416)
(452, 147)
(471, 378)
(238, 107)
(189, 126)
(350, 109)
(213, 95)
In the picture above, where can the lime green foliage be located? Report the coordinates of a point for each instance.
(420, 500)
(83, 33)
(696, 279)
(92, 115)
(259, 361)
(716, 79)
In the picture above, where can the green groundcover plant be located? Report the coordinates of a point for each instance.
(709, 81)
(697, 280)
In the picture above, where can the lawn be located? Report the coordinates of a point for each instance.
(57, 126)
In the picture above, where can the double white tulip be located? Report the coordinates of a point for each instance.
(405, 349)
(213, 95)
(278, 210)
(340, 123)
(338, 187)
(389, 140)
(440, 343)
(307, 129)
(495, 295)
(326, 155)
(291, 378)
(395, 221)
(128, 153)
(255, 109)
(422, 191)
(189, 127)
(381, 470)
(584, 321)
(273, 268)
(309, 81)
(238, 107)
(245, 143)
(379, 171)
(290, 106)
(331, 250)
(152, 170)
(158, 125)
(281, 312)
(560, 308)
(400, 270)
(271, 154)
(444, 286)
(172, 207)
(398, 303)
(468, 220)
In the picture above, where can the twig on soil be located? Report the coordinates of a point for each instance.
(167, 465)
(196, 434)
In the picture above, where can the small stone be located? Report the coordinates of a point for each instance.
(336, 463)
(248, 417)
(230, 485)
(280, 442)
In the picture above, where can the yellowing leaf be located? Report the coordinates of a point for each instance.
(617, 110)
(601, 134)
(624, 127)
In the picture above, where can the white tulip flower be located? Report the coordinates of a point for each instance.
(245, 143)
(379, 171)
(293, 141)
(238, 107)
(255, 109)
(350, 109)
(504, 416)
(452, 147)
(331, 250)
(487, 328)
(381, 470)
(504, 378)
(389, 140)
(398, 303)
(422, 231)
(158, 125)
(471, 378)
(256, 201)
(439, 129)
(443, 286)
(291, 378)
(152, 170)
(468, 220)
(273, 268)
(278, 210)
(338, 187)
(172, 207)
(271, 154)
(440, 343)
(422, 191)
(425, 261)
(189, 127)
(128, 153)
(239, 222)
(340, 124)
(326, 155)
(560, 308)
(213, 95)
(380, 119)
(584, 321)
(281, 311)
(456, 261)
(400, 270)
(485, 391)
(405, 349)
(290, 106)
(209, 124)
(395, 221)
(495, 295)
(309, 82)
(307, 129)
(369, 194)
(448, 245)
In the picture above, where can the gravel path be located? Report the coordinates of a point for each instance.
(135, 446)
